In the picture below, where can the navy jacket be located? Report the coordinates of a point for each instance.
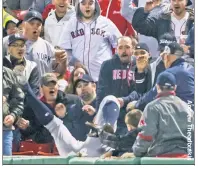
(184, 74)
(116, 79)
(75, 120)
(156, 25)
(190, 41)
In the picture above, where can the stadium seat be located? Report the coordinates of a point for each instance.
(29, 145)
(55, 151)
(24, 153)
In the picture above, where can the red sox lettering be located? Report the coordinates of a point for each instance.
(123, 74)
(81, 32)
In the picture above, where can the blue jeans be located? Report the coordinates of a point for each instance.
(16, 140)
(7, 142)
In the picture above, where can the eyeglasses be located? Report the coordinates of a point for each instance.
(82, 84)
(18, 45)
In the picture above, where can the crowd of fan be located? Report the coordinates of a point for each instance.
(140, 52)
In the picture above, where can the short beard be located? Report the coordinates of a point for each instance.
(87, 97)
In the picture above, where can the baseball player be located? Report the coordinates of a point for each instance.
(65, 142)
(90, 37)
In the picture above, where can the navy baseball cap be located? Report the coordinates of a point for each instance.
(84, 78)
(166, 39)
(189, 3)
(166, 80)
(33, 15)
(173, 49)
(14, 37)
(142, 46)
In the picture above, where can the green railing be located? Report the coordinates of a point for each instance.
(72, 160)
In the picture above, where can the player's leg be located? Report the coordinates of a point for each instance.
(65, 142)
(108, 112)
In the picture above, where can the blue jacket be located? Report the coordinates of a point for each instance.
(156, 25)
(75, 120)
(184, 74)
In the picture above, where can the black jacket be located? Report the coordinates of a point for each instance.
(146, 80)
(156, 25)
(13, 94)
(38, 132)
(143, 81)
(121, 143)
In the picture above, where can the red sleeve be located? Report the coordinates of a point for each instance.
(130, 31)
(47, 9)
(113, 51)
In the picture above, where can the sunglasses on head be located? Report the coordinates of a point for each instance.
(139, 52)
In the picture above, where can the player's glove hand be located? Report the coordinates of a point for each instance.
(96, 130)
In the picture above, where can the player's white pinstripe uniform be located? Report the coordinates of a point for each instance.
(67, 144)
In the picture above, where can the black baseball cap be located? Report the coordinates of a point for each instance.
(33, 15)
(166, 39)
(19, 23)
(166, 80)
(14, 37)
(142, 46)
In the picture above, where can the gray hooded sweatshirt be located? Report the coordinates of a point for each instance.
(90, 43)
